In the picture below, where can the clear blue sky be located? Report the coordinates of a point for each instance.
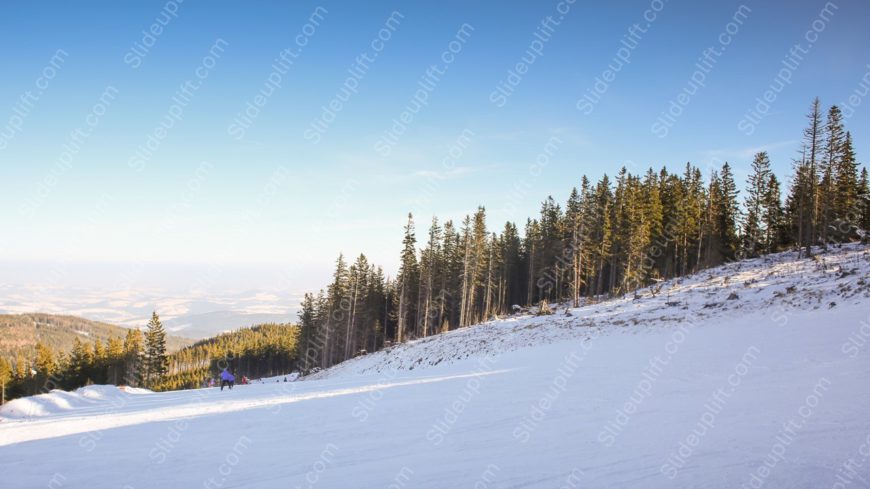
(98, 202)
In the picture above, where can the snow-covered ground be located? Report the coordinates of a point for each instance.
(689, 388)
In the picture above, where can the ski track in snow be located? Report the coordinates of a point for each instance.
(518, 402)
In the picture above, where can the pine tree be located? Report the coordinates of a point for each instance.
(334, 312)
(574, 237)
(588, 229)
(798, 204)
(156, 363)
(476, 267)
(601, 220)
(407, 281)
(492, 259)
(729, 214)
(430, 263)
(22, 369)
(134, 358)
(652, 189)
(697, 198)
(710, 233)
(5, 378)
(99, 364)
(636, 240)
(451, 278)
(621, 222)
(45, 365)
(310, 350)
(511, 272)
(80, 361)
(550, 267)
(45, 362)
(474, 238)
(828, 167)
(378, 305)
(757, 199)
(847, 210)
(115, 360)
(530, 258)
(864, 199)
(813, 150)
(358, 287)
(772, 217)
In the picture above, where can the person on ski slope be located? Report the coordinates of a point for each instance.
(227, 379)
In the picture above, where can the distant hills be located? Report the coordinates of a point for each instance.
(21, 332)
(209, 324)
(190, 313)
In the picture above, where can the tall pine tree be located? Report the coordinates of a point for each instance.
(156, 362)
(757, 197)
(407, 282)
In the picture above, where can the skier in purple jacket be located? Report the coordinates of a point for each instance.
(227, 379)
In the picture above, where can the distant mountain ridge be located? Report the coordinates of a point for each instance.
(209, 324)
(19, 333)
(190, 314)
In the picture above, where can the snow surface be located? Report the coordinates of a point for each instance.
(685, 389)
(58, 401)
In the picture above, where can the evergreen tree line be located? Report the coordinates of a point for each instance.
(137, 360)
(611, 237)
(141, 360)
(259, 351)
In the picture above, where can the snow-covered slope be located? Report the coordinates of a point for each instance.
(777, 286)
(685, 389)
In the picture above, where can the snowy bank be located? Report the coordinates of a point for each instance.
(59, 402)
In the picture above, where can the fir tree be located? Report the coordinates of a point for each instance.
(847, 207)
(772, 217)
(22, 369)
(729, 215)
(431, 261)
(46, 365)
(310, 350)
(600, 217)
(757, 199)
(451, 278)
(80, 361)
(5, 378)
(864, 200)
(357, 288)
(511, 271)
(478, 267)
(134, 358)
(100, 363)
(407, 281)
(809, 184)
(114, 360)
(335, 313)
(156, 362)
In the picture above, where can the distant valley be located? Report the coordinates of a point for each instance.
(19, 333)
(194, 315)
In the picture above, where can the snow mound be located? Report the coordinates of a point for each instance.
(291, 377)
(780, 283)
(62, 402)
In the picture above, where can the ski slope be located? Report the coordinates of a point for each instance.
(686, 388)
